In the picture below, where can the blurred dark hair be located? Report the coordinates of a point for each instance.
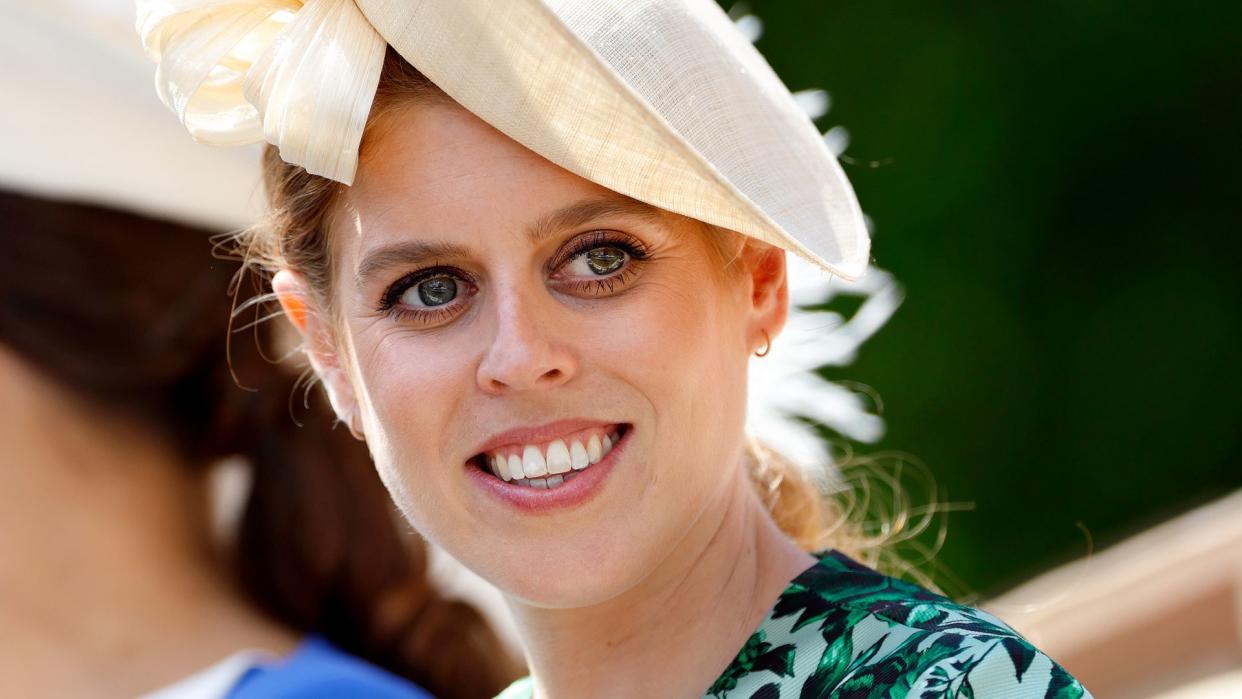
(132, 314)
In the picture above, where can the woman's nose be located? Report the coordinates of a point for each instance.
(527, 351)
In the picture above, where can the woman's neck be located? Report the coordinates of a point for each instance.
(675, 632)
(108, 586)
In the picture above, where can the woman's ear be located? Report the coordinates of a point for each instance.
(769, 285)
(321, 348)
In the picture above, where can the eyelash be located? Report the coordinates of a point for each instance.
(636, 253)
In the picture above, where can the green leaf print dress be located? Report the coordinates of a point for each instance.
(843, 630)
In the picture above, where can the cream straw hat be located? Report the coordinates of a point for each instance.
(661, 100)
(81, 123)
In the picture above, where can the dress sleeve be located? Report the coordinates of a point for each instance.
(1007, 667)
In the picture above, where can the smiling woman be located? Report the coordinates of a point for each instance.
(530, 273)
(546, 315)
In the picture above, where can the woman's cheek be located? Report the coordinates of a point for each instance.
(672, 336)
(411, 390)
(426, 385)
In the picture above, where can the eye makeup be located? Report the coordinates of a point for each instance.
(621, 253)
(462, 284)
(585, 242)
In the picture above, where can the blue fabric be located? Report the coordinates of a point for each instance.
(318, 670)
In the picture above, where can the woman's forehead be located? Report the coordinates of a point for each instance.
(437, 171)
(441, 157)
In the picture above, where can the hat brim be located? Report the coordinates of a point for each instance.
(660, 100)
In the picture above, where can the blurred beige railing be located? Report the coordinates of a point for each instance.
(1158, 615)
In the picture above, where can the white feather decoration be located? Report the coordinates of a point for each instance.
(783, 385)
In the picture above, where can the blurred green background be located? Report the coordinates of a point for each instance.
(1056, 186)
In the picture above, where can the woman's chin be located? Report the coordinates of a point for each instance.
(566, 576)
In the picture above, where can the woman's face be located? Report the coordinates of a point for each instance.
(495, 313)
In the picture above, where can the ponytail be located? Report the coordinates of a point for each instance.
(869, 515)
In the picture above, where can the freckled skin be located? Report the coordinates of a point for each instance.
(666, 352)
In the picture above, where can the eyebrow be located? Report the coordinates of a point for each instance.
(415, 252)
(588, 210)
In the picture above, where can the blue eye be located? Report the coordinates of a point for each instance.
(427, 295)
(435, 291)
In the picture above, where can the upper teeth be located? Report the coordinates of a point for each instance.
(552, 463)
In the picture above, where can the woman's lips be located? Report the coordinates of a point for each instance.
(539, 494)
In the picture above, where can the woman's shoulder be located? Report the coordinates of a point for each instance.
(316, 670)
(841, 628)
